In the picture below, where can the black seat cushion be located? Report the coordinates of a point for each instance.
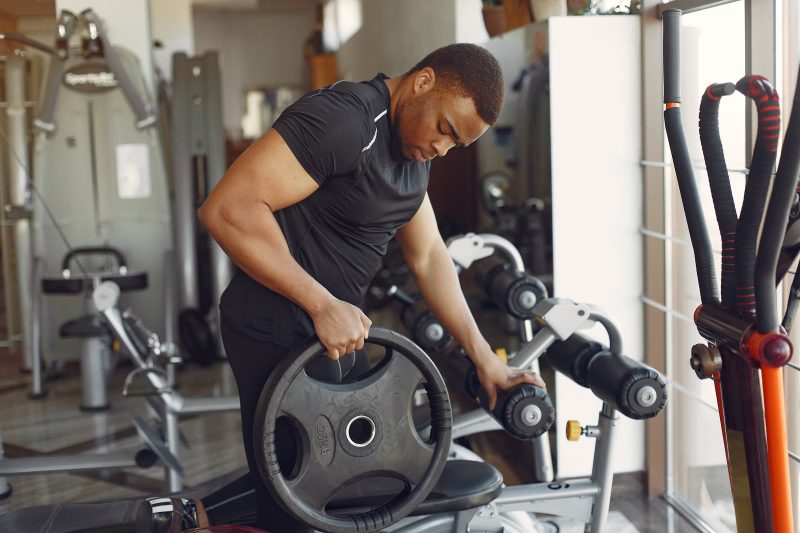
(76, 284)
(462, 485)
(85, 327)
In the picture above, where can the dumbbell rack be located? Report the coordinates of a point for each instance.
(583, 499)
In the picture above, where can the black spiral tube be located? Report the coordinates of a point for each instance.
(720, 183)
(704, 260)
(761, 91)
(775, 221)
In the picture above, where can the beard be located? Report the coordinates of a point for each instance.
(397, 136)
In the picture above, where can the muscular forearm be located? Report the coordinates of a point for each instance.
(438, 282)
(254, 241)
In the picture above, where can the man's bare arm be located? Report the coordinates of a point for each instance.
(239, 216)
(428, 259)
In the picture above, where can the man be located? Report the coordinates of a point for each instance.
(306, 214)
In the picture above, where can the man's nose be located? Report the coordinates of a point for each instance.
(443, 146)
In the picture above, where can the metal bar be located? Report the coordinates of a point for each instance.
(19, 196)
(93, 166)
(663, 237)
(472, 422)
(692, 516)
(5, 488)
(602, 467)
(662, 164)
(19, 38)
(529, 353)
(688, 392)
(144, 114)
(181, 151)
(45, 121)
(209, 405)
(221, 266)
(64, 463)
(666, 309)
(173, 436)
(37, 381)
(614, 336)
(28, 104)
(691, 6)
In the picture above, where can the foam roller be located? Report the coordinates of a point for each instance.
(513, 291)
(632, 388)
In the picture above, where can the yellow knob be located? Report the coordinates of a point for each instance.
(115, 346)
(502, 354)
(574, 430)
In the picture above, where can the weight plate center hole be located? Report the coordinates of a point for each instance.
(360, 431)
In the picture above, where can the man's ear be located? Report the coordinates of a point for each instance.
(424, 80)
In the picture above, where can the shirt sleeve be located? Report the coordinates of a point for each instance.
(327, 132)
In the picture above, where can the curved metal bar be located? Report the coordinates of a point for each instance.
(604, 319)
(505, 247)
(19, 38)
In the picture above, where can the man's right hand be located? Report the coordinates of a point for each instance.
(341, 328)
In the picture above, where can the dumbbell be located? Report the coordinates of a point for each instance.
(513, 291)
(425, 329)
(525, 411)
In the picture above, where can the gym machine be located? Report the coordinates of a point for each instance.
(149, 377)
(16, 209)
(746, 346)
(100, 178)
(197, 154)
(517, 293)
(355, 422)
(624, 385)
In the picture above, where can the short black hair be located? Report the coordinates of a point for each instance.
(473, 72)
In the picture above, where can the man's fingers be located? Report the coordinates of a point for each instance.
(367, 323)
(491, 395)
(333, 353)
(519, 375)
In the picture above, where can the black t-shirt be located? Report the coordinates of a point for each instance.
(342, 136)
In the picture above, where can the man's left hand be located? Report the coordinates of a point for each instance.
(495, 374)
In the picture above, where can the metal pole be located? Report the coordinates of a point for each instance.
(37, 380)
(5, 487)
(183, 201)
(602, 470)
(19, 195)
(4, 228)
(172, 431)
(215, 159)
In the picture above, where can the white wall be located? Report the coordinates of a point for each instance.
(126, 23)
(469, 22)
(597, 204)
(596, 194)
(395, 36)
(171, 23)
(41, 28)
(256, 48)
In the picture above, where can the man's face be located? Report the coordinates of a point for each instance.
(432, 121)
